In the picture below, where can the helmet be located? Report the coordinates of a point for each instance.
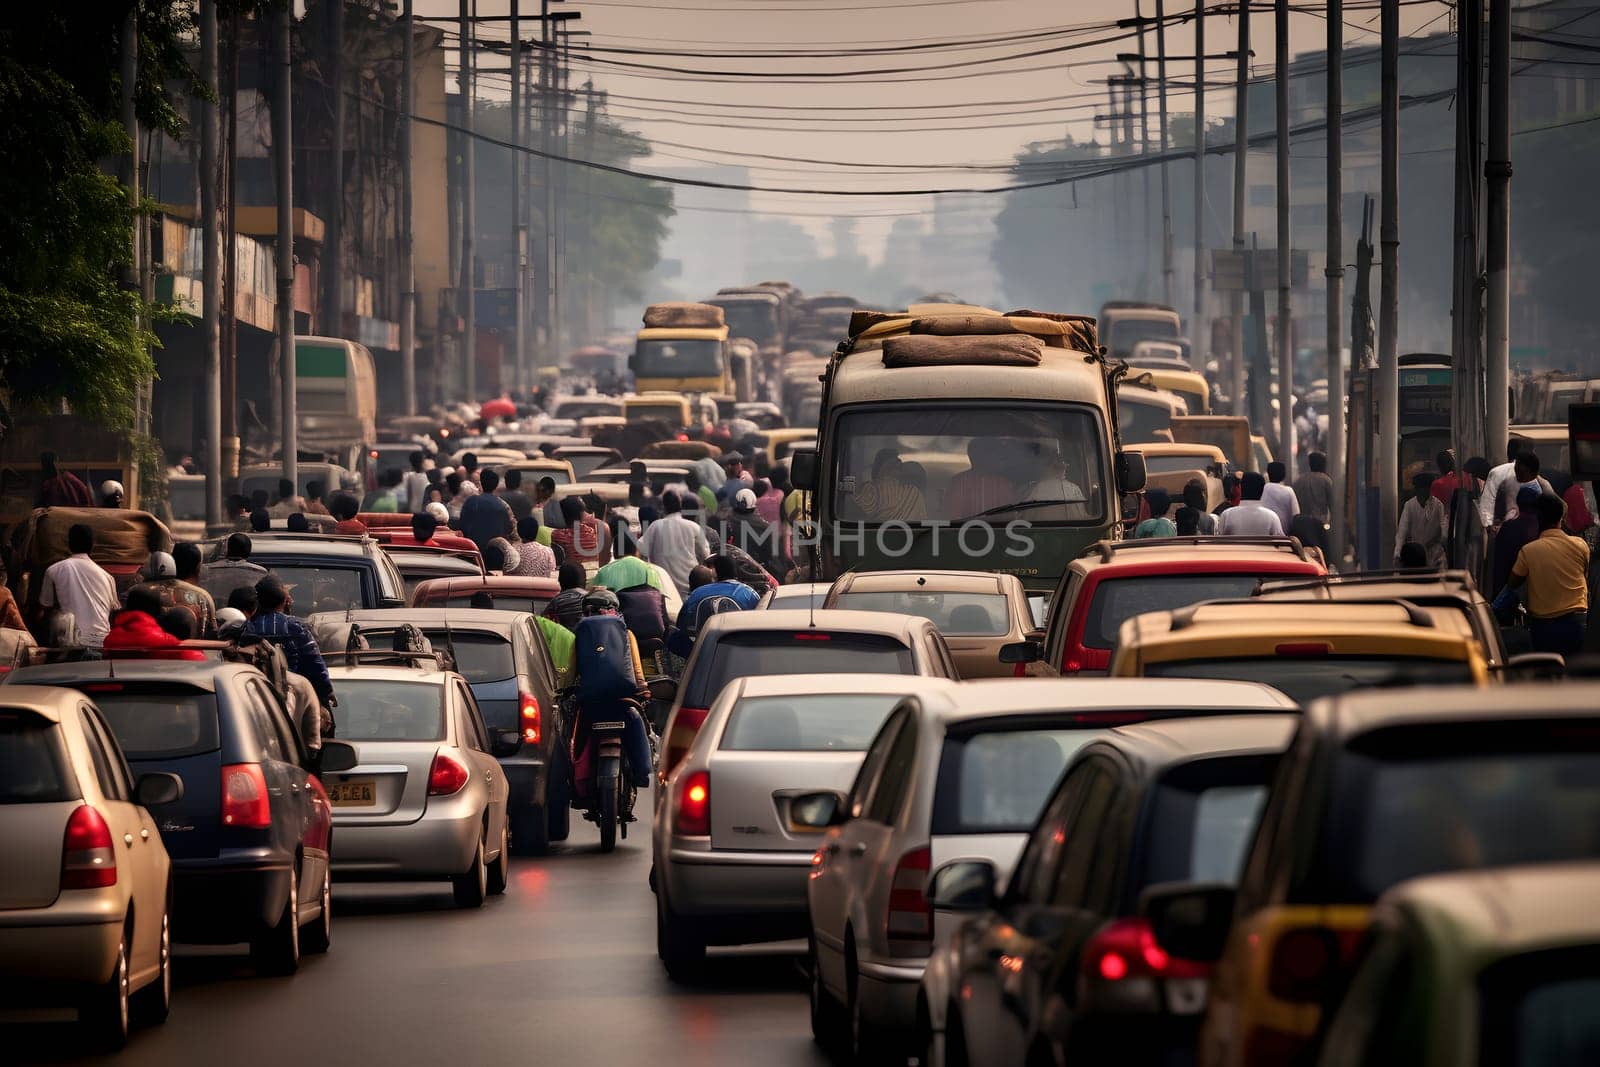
(744, 500)
(230, 621)
(110, 488)
(160, 565)
(600, 602)
(440, 513)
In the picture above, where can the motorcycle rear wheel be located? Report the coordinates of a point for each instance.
(606, 785)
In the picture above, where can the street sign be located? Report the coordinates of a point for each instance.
(1241, 271)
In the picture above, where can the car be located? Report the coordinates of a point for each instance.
(264, 477)
(323, 572)
(85, 916)
(802, 595)
(421, 563)
(512, 677)
(583, 407)
(1377, 788)
(428, 799)
(963, 778)
(511, 592)
(249, 837)
(536, 469)
(1060, 969)
(1476, 968)
(1114, 580)
(730, 866)
(978, 612)
(1308, 648)
(658, 474)
(585, 458)
(743, 643)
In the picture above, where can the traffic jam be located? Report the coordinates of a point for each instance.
(937, 652)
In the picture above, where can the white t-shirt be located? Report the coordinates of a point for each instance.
(1249, 518)
(1283, 502)
(82, 588)
(677, 544)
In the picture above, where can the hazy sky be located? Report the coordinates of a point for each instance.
(973, 119)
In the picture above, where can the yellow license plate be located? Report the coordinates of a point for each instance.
(356, 794)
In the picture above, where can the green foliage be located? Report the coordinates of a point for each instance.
(615, 234)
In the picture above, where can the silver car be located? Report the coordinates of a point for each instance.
(428, 799)
(730, 865)
(952, 775)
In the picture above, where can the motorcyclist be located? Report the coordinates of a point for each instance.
(635, 739)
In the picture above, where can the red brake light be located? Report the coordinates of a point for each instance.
(813, 635)
(104, 687)
(244, 797)
(529, 718)
(680, 735)
(910, 915)
(1306, 959)
(87, 859)
(694, 806)
(446, 777)
(1126, 948)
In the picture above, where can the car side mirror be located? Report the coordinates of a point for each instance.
(1029, 651)
(811, 812)
(337, 756)
(505, 743)
(803, 468)
(157, 788)
(1190, 920)
(1131, 474)
(963, 885)
(1536, 666)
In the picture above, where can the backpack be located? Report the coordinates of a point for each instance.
(644, 610)
(604, 660)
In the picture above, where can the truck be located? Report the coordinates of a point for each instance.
(1124, 323)
(689, 356)
(336, 393)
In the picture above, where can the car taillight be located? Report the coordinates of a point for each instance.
(1305, 960)
(1126, 948)
(529, 717)
(244, 797)
(1084, 658)
(910, 914)
(445, 777)
(694, 806)
(680, 735)
(87, 858)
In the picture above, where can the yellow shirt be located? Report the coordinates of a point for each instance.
(1556, 566)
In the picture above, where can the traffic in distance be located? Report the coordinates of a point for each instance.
(984, 710)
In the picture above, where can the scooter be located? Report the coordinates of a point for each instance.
(602, 778)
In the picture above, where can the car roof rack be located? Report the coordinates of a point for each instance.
(1107, 549)
(1375, 577)
(389, 657)
(1183, 618)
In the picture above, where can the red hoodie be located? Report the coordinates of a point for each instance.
(137, 630)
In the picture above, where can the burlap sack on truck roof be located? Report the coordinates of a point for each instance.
(926, 350)
(683, 315)
(121, 537)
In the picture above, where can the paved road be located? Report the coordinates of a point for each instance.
(561, 970)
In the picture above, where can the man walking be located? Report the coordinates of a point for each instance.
(1278, 496)
(300, 650)
(675, 542)
(1250, 517)
(80, 587)
(1313, 490)
(1554, 567)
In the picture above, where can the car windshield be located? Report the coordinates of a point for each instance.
(1304, 680)
(479, 656)
(1125, 333)
(944, 461)
(830, 722)
(153, 724)
(672, 413)
(996, 782)
(691, 358)
(747, 655)
(33, 769)
(383, 710)
(1555, 1023)
(1142, 422)
(1118, 599)
(956, 614)
(586, 409)
(752, 319)
(317, 589)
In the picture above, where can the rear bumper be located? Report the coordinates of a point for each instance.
(888, 992)
(438, 845)
(223, 904)
(739, 897)
(529, 782)
(71, 943)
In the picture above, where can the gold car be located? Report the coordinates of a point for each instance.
(976, 612)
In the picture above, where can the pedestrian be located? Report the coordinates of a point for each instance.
(297, 523)
(59, 488)
(1579, 517)
(1231, 494)
(386, 501)
(1423, 521)
(534, 560)
(1187, 521)
(1515, 532)
(1278, 496)
(288, 502)
(136, 631)
(1196, 498)
(440, 513)
(501, 555)
(80, 587)
(423, 527)
(111, 494)
(272, 620)
(415, 482)
(584, 538)
(675, 542)
(314, 504)
(1250, 517)
(243, 600)
(1157, 525)
(485, 516)
(345, 508)
(1313, 490)
(1497, 504)
(627, 570)
(173, 579)
(1554, 568)
(566, 607)
(544, 498)
(521, 507)
(469, 470)
(749, 531)
(1448, 480)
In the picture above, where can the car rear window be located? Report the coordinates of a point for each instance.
(382, 710)
(479, 656)
(1201, 819)
(1556, 1024)
(316, 589)
(161, 725)
(33, 768)
(964, 614)
(1304, 680)
(830, 722)
(996, 782)
(1118, 599)
(808, 652)
(1415, 801)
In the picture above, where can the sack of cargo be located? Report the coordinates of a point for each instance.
(683, 315)
(924, 350)
(604, 659)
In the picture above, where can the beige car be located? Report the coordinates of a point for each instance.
(84, 889)
(975, 611)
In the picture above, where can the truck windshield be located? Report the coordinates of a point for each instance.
(1129, 332)
(678, 359)
(953, 462)
(754, 320)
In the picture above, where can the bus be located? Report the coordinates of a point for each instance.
(1425, 383)
(336, 393)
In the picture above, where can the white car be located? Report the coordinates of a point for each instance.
(952, 775)
(730, 864)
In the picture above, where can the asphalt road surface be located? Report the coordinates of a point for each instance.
(560, 970)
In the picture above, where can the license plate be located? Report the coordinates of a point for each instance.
(363, 792)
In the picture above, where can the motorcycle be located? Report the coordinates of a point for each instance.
(603, 786)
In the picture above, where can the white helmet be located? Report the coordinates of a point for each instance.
(230, 621)
(110, 487)
(160, 565)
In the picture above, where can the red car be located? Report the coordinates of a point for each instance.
(510, 592)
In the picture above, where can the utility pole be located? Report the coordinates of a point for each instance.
(1285, 332)
(1335, 275)
(1241, 155)
(1144, 147)
(469, 207)
(1466, 325)
(1497, 169)
(1166, 187)
(408, 264)
(519, 233)
(1198, 338)
(545, 282)
(230, 322)
(138, 268)
(333, 241)
(1386, 392)
(210, 268)
(283, 152)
